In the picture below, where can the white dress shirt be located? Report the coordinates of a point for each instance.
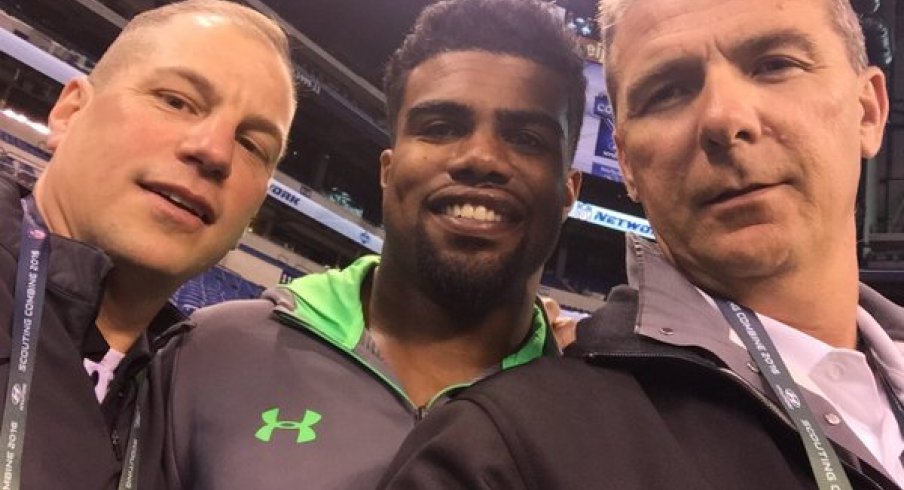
(844, 379)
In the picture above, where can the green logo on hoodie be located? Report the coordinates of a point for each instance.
(304, 426)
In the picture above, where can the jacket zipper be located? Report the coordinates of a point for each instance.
(423, 410)
(114, 439)
(412, 408)
(420, 413)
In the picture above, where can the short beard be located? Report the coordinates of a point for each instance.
(463, 286)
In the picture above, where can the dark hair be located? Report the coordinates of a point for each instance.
(523, 28)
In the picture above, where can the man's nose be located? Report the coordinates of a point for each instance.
(728, 114)
(482, 157)
(210, 144)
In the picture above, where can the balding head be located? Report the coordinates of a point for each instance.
(140, 33)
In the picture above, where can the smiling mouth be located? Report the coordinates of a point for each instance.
(476, 212)
(197, 208)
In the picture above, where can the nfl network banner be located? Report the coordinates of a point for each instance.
(342, 225)
(611, 219)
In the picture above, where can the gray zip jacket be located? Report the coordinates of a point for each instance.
(289, 392)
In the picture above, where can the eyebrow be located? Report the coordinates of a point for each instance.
(198, 81)
(264, 125)
(207, 90)
(436, 107)
(774, 39)
(745, 49)
(668, 69)
(507, 117)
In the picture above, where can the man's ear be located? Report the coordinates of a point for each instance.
(385, 167)
(874, 101)
(572, 190)
(74, 97)
(626, 171)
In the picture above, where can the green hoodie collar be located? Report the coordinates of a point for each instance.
(329, 303)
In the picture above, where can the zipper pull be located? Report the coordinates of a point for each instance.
(420, 413)
(114, 439)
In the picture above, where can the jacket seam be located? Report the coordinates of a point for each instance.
(486, 405)
(170, 430)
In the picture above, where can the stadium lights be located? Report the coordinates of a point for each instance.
(22, 119)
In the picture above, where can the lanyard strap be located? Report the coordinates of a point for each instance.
(128, 479)
(31, 278)
(824, 462)
(31, 281)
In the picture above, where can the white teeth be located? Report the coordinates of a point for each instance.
(475, 212)
(185, 204)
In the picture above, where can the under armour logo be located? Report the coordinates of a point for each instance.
(305, 426)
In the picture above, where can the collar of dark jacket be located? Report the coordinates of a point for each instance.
(657, 311)
(661, 315)
(669, 309)
(76, 271)
(159, 332)
(76, 277)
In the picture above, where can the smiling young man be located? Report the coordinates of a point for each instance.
(316, 385)
(160, 158)
(744, 354)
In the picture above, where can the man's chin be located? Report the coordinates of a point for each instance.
(744, 262)
(165, 266)
(468, 286)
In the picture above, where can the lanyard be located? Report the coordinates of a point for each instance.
(824, 462)
(28, 307)
(128, 479)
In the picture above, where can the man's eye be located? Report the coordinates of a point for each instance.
(527, 140)
(176, 102)
(774, 65)
(440, 130)
(255, 149)
(665, 97)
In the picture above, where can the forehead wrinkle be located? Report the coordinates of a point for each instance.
(734, 50)
(653, 29)
(762, 42)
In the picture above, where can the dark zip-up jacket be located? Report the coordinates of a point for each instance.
(652, 395)
(71, 441)
(289, 391)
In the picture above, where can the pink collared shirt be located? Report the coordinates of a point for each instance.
(104, 370)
